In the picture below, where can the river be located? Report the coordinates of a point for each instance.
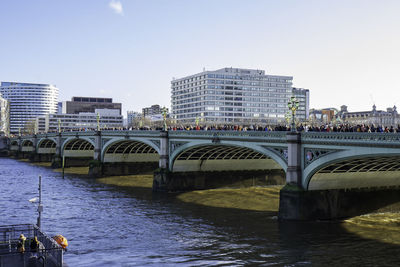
(113, 226)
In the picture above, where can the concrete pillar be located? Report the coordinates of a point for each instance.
(97, 146)
(294, 170)
(164, 150)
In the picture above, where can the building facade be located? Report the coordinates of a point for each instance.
(4, 117)
(390, 117)
(104, 118)
(303, 96)
(131, 117)
(233, 95)
(322, 116)
(28, 101)
(151, 111)
(88, 104)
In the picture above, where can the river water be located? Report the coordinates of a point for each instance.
(109, 226)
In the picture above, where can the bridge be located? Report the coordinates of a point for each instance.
(308, 163)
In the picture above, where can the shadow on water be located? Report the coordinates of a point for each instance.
(259, 237)
(246, 237)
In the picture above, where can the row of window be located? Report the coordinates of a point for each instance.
(233, 77)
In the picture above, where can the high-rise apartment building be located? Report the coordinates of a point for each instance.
(28, 101)
(233, 95)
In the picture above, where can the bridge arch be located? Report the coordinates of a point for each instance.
(46, 146)
(27, 143)
(202, 156)
(78, 147)
(354, 168)
(130, 150)
(14, 143)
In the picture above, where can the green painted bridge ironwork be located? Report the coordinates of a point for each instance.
(312, 160)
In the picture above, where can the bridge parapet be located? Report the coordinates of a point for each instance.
(351, 138)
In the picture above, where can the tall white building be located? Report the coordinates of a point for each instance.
(232, 95)
(28, 101)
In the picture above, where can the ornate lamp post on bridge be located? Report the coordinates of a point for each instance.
(98, 122)
(293, 105)
(164, 113)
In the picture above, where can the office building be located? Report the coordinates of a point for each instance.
(88, 104)
(28, 101)
(106, 118)
(132, 117)
(233, 95)
(152, 111)
(303, 96)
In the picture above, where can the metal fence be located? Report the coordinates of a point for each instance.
(49, 251)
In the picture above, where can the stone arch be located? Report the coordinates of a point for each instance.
(353, 164)
(234, 152)
(130, 150)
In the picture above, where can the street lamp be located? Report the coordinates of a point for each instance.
(98, 122)
(59, 125)
(164, 113)
(293, 105)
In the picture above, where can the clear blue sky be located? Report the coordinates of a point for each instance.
(345, 52)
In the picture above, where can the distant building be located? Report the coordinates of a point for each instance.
(108, 118)
(233, 95)
(322, 116)
(88, 104)
(59, 107)
(28, 101)
(4, 116)
(152, 111)
(390, 117)
(303, 96)
(131, 116)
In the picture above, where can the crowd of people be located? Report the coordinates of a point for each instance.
(362, 128)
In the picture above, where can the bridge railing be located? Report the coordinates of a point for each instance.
(211, 134)
(351, 138)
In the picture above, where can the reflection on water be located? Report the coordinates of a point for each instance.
(109, 225)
